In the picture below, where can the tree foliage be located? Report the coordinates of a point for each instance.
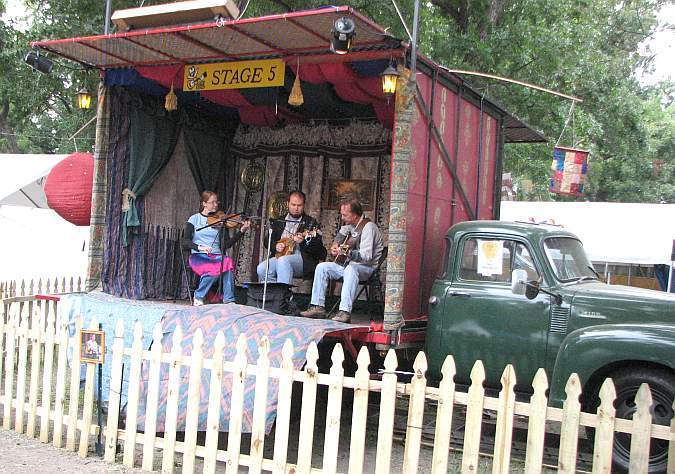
(587, 48)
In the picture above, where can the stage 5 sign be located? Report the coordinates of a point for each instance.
(234, 75)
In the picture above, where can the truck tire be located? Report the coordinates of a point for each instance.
(662, 385)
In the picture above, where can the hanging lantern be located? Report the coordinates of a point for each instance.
(389, 79)
(171, 100)
(68, 188)
(296, 99)
(83, 99)
(568, 171)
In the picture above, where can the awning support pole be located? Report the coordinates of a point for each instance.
(108, 8)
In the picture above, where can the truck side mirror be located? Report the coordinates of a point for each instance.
(518, 282)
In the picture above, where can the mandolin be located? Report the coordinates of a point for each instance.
(289, 243)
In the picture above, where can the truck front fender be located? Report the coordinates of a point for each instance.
(590, 349)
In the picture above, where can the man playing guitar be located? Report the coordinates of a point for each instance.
(356, 250)
(296, 230)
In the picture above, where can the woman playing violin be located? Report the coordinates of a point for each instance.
(207, 245)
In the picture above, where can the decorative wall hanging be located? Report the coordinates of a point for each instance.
(339, 189)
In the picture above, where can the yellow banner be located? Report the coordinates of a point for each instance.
(234, 75)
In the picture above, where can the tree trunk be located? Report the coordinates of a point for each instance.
(8, 143)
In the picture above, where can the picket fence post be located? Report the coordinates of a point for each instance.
(9, 367)
(173, 392)
(47, 375)
(536, 425)
(59, 396)
(213, 414)
(237, 406)
(115, 393)
(74, 396)
(285, 394)
(474, 419)
(360, 412)
(259, 406)
(569, 429)
(36, 334)
(385, 428)
(604, 433)
(413, 435)
(192, 409)
(150, 428)
(88, 402)
(504, 431)
(21, 376)
(307, 413)
(641, 436)
(446, 400)
(131, 425)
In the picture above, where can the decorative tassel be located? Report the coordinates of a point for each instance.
(171, 100)
(296, 99)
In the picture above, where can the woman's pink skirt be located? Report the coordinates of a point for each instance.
(210, 264)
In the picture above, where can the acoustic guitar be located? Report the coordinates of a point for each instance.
(349, 244)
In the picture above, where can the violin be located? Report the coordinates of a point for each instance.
(231, 220)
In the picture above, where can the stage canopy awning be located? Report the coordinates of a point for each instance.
(23, 176)
(334, 86)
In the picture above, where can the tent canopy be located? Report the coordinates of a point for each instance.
(611, 232)
(336, 86)
(23, 177)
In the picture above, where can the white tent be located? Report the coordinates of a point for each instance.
(35, 241)
(621, 233)
(22, 178)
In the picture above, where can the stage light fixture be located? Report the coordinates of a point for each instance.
(37, 62)
(389, 79)
(83, 99)
(344, 31)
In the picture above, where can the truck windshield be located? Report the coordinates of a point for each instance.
(568, 259)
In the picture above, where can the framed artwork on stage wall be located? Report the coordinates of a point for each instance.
(340, 188)
(92, 346)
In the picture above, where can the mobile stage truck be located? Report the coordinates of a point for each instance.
(422, 159)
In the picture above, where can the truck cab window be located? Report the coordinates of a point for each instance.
(493, 260)
(522, 260)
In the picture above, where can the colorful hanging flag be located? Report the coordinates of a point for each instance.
(568, 171)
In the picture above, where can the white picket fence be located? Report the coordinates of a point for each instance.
(12, 288)
(47, 404)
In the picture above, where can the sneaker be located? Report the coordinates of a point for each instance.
(341, 317)
(198, 302)
(315, 312)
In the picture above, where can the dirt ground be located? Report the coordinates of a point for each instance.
(22, 455)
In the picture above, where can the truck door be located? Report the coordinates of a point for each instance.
(484, 320)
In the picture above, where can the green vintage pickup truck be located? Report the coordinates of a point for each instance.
(527, 295)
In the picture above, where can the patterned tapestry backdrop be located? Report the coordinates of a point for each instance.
(295, 157)
(304, 157)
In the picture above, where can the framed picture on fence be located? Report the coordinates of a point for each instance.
(92, 346)
(341, 188)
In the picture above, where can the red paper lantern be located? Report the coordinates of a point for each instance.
(68, 188)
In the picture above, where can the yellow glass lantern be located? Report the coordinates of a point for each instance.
(389, 79)
(83, 99)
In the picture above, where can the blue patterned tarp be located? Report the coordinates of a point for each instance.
(232, 319)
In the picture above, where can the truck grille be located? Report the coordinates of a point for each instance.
(559, 318)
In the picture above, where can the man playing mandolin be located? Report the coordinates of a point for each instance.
(356, 250)
(297, 247)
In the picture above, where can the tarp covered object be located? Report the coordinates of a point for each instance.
(231, 319)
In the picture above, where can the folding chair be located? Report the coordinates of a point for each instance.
(373, 282)
(189, 277)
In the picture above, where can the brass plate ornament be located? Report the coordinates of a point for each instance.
(252, 177)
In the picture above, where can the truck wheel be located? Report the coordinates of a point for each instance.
(662, 385)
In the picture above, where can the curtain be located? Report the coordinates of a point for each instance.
(153, 137)
(208, 153)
